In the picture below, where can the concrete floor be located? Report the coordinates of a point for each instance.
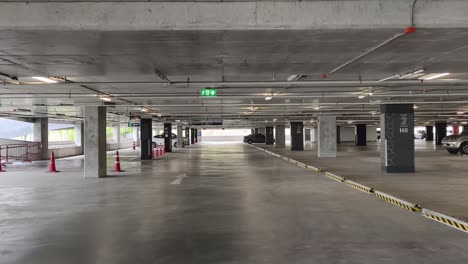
(236, 205)
(440, 182)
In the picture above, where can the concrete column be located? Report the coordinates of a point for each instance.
(280, 136)
(297, 136)
(465, 129)
(180, 136)
(168, 137)
(146, 136)
(192, 136)
(429, 133)
(361, 135)
(314, 135)
(326, 146)
(136, 135)
(269, 139)
(307, 134)
(255, 130)
(456, 130)
(95, 163)
(187, 135)
(441, 132)
(338, 135)
(79, 135)
(41, 134)
(196, 135)
(116, 135)
(397, 138)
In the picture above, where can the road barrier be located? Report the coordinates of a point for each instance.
(447, 220)
(359, 186)
(398, 202)
(20, 152)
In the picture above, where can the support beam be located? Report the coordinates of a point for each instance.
(397, 142)
(269, 138)
(280, 136)
(146, 134)
(95, 163)
(361, 135)
(79, 134)
(41, 135)
(180, 136)
(441, 132)
(168, 137)
(429, 133)
(326, 147)
(297, 136)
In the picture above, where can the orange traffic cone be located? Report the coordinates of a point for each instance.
(152, 151)
(52, 163)
(117, 163)
(157, 152)
(1, 169)
(134, 145)
(160, 151)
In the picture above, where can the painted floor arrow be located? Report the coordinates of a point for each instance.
(179, 179)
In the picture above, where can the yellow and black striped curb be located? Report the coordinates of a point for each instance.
(335, 177)
(359, 186)
(398, 202)
(445, 219)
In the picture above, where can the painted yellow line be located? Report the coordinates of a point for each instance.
(359, 186)
(446, 220)
(335, 177)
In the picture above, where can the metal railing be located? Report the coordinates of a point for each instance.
(19, 152)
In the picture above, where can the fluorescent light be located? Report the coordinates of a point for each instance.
(317, 107)
(105, 98)
(433, 76)
(144, 109)
(415, 107)
(268, 98)
(361, 96)
(350, 122)
(159, 114)
(44, 79)
(274, 120)
(294, 77)
(460, 113)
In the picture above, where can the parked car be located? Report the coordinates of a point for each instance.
(420, 134)
(158, 140)
(254, 138)
(456, 143)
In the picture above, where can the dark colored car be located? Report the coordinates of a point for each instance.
(254, 138)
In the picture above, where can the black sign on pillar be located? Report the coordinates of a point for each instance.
(196, 135)
(269, 139)
(297, 136)
(429, 133)
(397, 143)
(441, 132)
(168, 137)
(146, 137)
(192, 136)
(361, 135)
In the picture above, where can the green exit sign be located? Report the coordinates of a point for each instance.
(208, 92)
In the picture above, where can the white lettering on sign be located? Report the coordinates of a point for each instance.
(404, 124)
(404, 130)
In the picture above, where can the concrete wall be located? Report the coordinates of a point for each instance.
(221, 138)
(66, 152)
(347, 134)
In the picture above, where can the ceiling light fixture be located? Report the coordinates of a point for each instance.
(105, 98)
(294, 77)
(460, 113)
(361, 96)
(44, 79)
(434, 76)
(144, 109)
(415, 107)
(268, 98)
(317, 108)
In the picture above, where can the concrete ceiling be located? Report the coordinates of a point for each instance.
(245, 65)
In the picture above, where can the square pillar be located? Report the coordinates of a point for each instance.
(280, 136)
(192, 136)
(429, 133)
(338, 135)
(95, 160)
(441, 132)
(168, 137)
(146, 135)
(196, 135)
(180, 136)
(297, 136)
(397, 138)
(187, 135)
(361, 135)
(326, 147)
(41, 135)
(269, 140)
(116, 136)
(79, 135)
(136, 135)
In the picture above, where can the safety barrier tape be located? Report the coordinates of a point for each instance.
(359, 186)
(398, 202)
(335, 177)
(446, 220)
